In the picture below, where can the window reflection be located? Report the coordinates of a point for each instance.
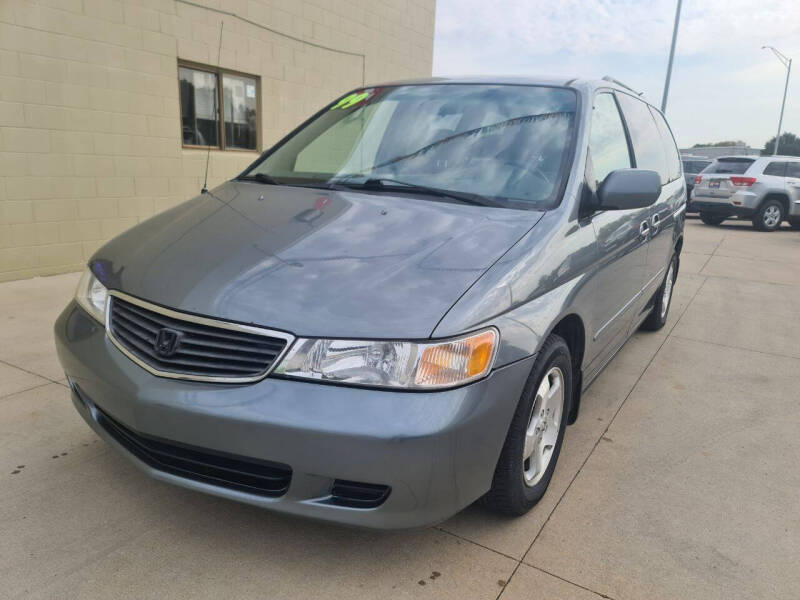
(240, 100)
(199, 94)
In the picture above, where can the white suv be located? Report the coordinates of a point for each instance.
(765, 189)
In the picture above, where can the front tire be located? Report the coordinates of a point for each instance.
(711, 219)
(534, 438)
(769, 215)
(663, 299)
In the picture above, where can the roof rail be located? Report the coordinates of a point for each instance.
(619, 83)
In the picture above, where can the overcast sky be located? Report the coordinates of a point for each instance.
(723, 85)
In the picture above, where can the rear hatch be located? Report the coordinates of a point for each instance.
(715, 181)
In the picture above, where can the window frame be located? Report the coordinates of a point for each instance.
(647, 107)
(670, 144)
(621, 115)
(219, 72)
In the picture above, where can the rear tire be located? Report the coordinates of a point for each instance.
(663, 299)
(537, 430)
(769, 215)
(711, 219)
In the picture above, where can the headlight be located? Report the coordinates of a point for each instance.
(92, 296)
(412, 365)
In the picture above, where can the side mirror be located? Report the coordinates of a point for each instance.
(625, 189)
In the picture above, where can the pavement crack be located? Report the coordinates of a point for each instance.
(611, 421)
(39, 375)
(564, 579)
(473, 542)
(730, 347)
(33, 387)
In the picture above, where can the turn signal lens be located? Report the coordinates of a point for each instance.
(453, 362)
(393, 364)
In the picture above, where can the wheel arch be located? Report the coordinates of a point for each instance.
(679, 244)
(782, 197)
(571, 328)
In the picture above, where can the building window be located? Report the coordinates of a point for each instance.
(203, 124)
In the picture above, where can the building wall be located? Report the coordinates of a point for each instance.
(715, 151)
(90, 132)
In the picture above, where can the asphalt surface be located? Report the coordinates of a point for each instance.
(679, 480)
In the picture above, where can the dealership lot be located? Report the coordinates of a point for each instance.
(679, 479)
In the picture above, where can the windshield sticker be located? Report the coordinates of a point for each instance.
(352, 100)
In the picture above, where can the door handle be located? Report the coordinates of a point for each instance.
(644, 229)
(656, 222)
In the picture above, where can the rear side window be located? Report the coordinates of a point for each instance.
(775, 168)
(608, 146)
(671, 153)
(647, 146)
(793, 169)
(736, 166)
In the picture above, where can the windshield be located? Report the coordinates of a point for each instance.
(507, 143)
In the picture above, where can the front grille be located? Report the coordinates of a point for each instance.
(202, 351)
(225, 470)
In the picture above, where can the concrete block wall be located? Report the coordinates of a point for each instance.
(90, 133)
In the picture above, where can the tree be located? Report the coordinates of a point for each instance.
(723, 143)
(789, 146)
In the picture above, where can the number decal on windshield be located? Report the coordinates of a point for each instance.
(351, 100)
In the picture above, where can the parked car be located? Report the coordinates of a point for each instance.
(765, 189)
(393, 312)
(692, 166)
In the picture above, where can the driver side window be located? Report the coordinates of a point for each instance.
(608, 146)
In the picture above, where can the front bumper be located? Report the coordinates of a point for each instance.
(437, 451)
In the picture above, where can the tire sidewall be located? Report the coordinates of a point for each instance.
(556, 355)
(711, 219)
(673, 263)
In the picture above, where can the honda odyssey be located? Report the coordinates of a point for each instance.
(391, 313)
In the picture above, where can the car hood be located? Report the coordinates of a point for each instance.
(312, 262)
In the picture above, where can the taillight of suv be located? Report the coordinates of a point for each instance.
(743, 181)
(698, 179)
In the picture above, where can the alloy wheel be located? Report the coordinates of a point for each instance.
(543, 426)
(772, 216)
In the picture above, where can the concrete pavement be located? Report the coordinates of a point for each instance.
(679, 480)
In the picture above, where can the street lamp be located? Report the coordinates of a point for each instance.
(671, 57)
(786, 62)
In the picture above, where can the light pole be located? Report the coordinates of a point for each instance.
(671, 56)
(786, 62)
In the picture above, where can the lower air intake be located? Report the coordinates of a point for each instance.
(225, 470)
(358, 495)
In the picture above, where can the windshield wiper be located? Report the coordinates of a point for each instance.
(261, 178)
(388, 184)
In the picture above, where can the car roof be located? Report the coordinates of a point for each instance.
(547, 80)
(739, 157)
(780, 157)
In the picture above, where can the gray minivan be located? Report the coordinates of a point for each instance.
(393, 312)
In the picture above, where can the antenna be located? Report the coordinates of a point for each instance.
(216, 110)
